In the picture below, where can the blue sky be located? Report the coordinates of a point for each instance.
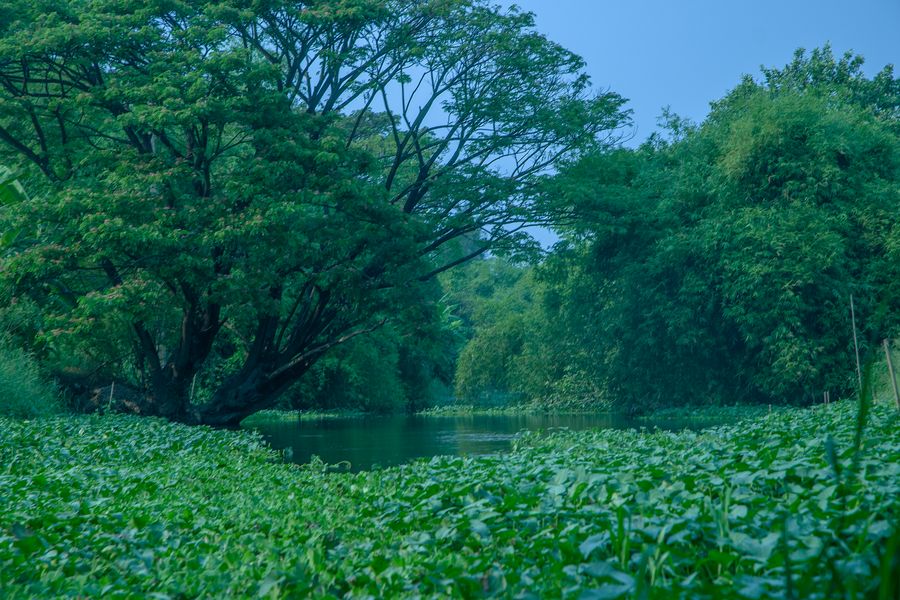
(686, 53)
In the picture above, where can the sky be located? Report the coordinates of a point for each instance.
(687, 53)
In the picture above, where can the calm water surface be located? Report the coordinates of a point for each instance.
(367, 442)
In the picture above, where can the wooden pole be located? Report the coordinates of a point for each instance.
(891, 373)
(855, 344)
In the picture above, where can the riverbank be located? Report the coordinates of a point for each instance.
(280, 415)
(711, 413)
(119, 506)
(703, 413)
(292, 416)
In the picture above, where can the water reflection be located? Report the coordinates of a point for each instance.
(367, 442)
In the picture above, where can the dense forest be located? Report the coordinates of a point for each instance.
(714, 264)
(296, 211)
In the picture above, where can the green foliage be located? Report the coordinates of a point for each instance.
(482, 291)
(724, 414)
(767, 508)
(11, 191)
(293, 416)
(385, 371)
(882, 387)
(25, 392)
(717, 267)
(465, 410)
(363, 374)
(517, 353)
(233, 187)
(500, 308)
(483, 368)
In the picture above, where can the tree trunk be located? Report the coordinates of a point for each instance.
(168, 397)
(240, 396)
(237, 398)
(267, 372)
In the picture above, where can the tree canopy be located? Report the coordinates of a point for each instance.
(263, 181)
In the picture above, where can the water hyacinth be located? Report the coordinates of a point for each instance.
(116, 506)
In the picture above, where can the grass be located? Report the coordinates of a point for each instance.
(780, 506)
(275, 416)
(881, 383)
(466, 410)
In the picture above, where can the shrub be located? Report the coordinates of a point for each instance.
(24, 392)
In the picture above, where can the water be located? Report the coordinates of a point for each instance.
(367, 442)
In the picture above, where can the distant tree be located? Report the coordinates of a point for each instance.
(264, 181)
(387, 370)
(510, 352)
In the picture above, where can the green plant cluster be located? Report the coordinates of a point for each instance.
(465, 410)
(381, 372)
(292, 416)
(24, 390)
(782, 506)
(703, 413)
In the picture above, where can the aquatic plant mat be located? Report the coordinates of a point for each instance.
(779, 506)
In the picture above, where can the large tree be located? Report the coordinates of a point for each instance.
(264, 180)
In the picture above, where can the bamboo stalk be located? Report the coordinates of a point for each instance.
(893, 375)
(855, 344)
(112, 391)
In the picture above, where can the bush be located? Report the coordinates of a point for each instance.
(24, 392)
